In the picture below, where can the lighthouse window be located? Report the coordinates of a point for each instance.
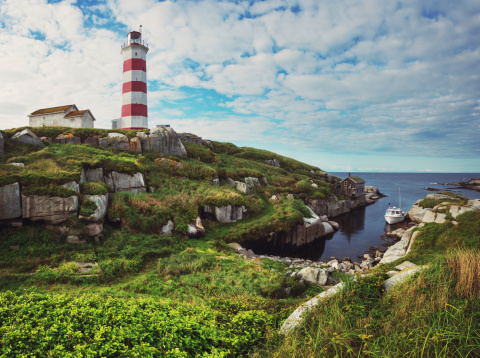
(135, 54)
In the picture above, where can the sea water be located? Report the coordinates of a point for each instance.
(363, 227)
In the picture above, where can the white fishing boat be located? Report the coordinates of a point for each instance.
(395, 215)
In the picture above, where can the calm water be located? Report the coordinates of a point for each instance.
(363, 227)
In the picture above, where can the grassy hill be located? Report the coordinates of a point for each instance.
(150, 295)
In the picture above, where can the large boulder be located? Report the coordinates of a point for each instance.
(27, 137)
(101, 201)
(164, 140)
(2, 144)
(135, 145)
(72, 185)
(416, 213)
(93, 174)
(312, 276)
(124, 182)
(116, 141)
(54, 209)
(10, 202)
(229, 213)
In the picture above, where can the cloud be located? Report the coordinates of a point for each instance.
(358, 76)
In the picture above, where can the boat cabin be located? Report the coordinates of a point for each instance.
(353, 186)
(394, 211)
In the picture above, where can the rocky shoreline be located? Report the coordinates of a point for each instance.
(472, 184)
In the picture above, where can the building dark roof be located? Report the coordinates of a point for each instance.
(75, 113)
(52, 110)
(357, 180)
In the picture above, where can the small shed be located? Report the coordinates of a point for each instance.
(353, 186)
(63, 116)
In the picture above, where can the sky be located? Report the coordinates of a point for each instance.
(346, 85)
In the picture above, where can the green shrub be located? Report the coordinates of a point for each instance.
(95, 187)
(87, 207)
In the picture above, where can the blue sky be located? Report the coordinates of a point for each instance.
(346, 85)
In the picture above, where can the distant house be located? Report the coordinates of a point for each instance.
(63, 116)
(353, 186)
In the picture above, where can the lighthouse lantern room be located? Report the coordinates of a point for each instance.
(134, 91)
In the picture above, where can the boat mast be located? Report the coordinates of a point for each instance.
(400, 198)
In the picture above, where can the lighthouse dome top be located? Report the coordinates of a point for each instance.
(134, 38)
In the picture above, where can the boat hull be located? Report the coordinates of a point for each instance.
(394, 219)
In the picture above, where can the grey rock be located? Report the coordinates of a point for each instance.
(67, 139)
(27, 137)
(75, 239)
(230, 181)
(402, 276)
(252, 183)
(118, 141)
(265, 181)
(17, 164)
(235, 246)
(72, 186)
(2, 144)
(165, 140)
(229, 213)
(124, 182)
(273, 162)
(456, 210)
(242, 187)
(10, 202)
(51, 209)
(288, 291)
(93, 229)
(93, 174)
(436, 196)
(404, 265)
(215, 182)
(135, 145)
(167, 229)
(101, 201)
(297, 316)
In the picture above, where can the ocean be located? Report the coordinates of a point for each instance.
(364, 227)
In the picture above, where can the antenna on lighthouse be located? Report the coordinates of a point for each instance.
(140, 28)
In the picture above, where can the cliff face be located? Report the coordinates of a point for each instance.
(334, 207)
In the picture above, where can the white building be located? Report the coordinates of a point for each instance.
(63, 116)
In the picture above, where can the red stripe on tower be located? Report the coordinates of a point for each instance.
(134, 92)
(135, 64)
(134, 86)
(129, 110)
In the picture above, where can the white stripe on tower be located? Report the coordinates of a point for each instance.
(134, 89)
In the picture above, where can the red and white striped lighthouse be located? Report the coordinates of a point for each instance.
(134, 91)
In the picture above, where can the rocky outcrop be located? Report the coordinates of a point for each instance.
(330, 208)
(273, 162)
(2, 144)
(186, 137)
(124, 182)
(10, 202)
(472, 184)
(416, 213)
(54, 210)
(117, 141)
(312, 275)
(27, 137)
(399, 249)
(227, 214)
(164, 140)
(67, 139)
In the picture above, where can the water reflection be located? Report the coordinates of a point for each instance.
(351, 223)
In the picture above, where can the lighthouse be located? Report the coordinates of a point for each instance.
(134, 89)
